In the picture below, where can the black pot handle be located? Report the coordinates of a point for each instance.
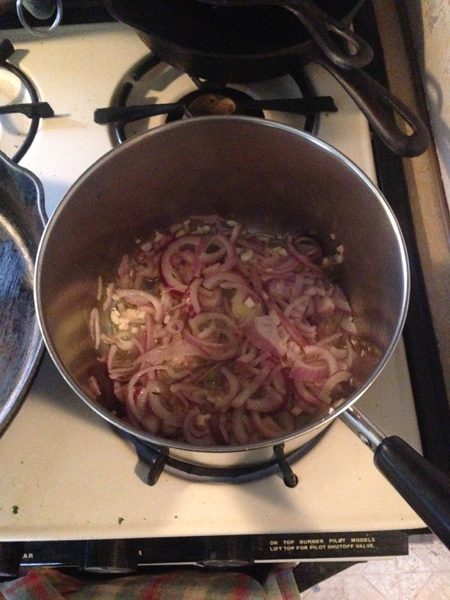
(380, 107)
(422, 485)
(425, 488)
(354, 52)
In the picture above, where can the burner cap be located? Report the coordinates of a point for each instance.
(213, 101)
(211, 104)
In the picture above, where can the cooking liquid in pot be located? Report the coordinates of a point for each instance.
(214, 335)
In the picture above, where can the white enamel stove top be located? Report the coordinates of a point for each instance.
(67, 473)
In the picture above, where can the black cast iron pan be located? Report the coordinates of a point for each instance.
(22, 216)
(354, 53)
(229, 44)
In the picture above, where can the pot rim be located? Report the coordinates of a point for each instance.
(333, 412)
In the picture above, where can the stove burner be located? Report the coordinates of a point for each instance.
(159, 460)
(152, 75)
(34, 110)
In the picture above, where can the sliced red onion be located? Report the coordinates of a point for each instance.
(238, 426)
(223, 277)
(94, 326)
(297, 308)
(305, 261)
(207, 331)
(124, 266)
(175, 350)
(195, 431)
(210, 300)
(308, 402)
(279, 380)
(149, 333)
(341, 301)
(325, 307)
(205, 318)
(94, 386)
(158, 408)
(262, 332)
(224, 428)
(232, 384)
(267, 404)
(257, 311)
(140, 298)
(321, 353)
(351, 354)
(249, 357)
(267, 426)
(119, 391)
(167, 270)
(212, 350)
(339, 353)
(348, 325)
(332, 382)
(175, 326)
(151, 423)
(136, 400)
(208, 258)
(314, 371)
(281, 267)
(193, 293)
(291, 329)
(310, 247)
(286, 421)
(111, 354)
(237, 230)
(108, 300)
(249, 388)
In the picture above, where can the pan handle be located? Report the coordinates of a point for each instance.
(380, 108)
(354, 53)
(18, 175)
(40, 9)
(422, 485)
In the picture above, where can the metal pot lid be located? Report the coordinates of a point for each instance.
(22, 218)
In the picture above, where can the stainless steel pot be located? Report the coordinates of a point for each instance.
(263, 174)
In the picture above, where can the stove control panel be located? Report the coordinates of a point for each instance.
(116, 557)
(125, 556)
(11, 555)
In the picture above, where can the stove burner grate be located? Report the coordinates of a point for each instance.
(209, 98)
(159, 460)
(34, 110)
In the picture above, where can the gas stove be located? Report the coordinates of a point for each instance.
(68, 477)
